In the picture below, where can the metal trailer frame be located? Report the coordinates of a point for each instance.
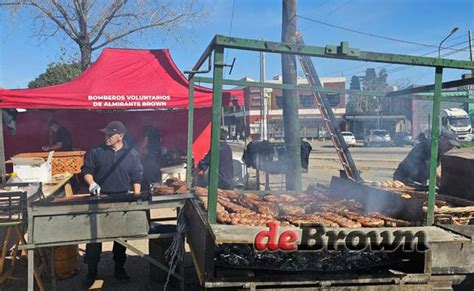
(218, 45)
(449, 254)
(51, 225)
(450, 248)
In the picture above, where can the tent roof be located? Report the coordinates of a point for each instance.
(119, 79)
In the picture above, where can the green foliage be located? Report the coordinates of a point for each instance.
(355, 83)
(56, 73)
(351, 106)
(370, 82)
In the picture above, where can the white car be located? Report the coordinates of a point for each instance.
(378, 137)
(349, 138)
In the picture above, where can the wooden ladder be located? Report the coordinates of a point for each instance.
(328, 117)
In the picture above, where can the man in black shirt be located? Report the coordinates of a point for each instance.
(59, 138)
(416, 166)
(151, 157)
(226, 170)
(112, 168)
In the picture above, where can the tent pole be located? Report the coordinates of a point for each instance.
(2, 148)
(189, 155)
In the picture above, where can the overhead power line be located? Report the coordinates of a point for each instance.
(368, 34)
(351, 69)
(353, 72)
(401, 68)
(230, 30)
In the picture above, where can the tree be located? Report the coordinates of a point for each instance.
(95, 24)
(353, 104)
(370, 82)
(355, 83)
(56, 73)
(374, 82)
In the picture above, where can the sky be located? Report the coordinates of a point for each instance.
(23, 57)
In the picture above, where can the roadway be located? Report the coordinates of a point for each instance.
(375, 163)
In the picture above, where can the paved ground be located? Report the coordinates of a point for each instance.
(375, 164)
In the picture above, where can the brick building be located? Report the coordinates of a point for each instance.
(310, 118)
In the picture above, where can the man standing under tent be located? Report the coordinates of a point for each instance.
(226, 170)
(111, 169)
(59, 138)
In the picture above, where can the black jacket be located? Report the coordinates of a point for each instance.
(100, 160)
(226, 169)
(64, 136)
(415, 167)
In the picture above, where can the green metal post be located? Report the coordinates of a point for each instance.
(189, 160)
(215, 133)
(434, 144)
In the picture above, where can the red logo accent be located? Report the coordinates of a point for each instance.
(286, 241)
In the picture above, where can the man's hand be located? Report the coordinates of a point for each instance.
(137, 189)
(438, 176)
(94, 189)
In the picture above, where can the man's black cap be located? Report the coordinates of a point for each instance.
(114, 127)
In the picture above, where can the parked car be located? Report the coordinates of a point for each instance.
(403, 138)
(324, 135)
(378, 137)
(349, 138)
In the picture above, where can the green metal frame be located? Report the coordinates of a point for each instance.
(343, 51)
(447, 96)
(189, 156)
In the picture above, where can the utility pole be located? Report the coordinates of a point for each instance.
(263, 101)
(290, 99)
(470, 51)
(470, 107)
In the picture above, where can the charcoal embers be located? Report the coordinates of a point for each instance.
(245, 257)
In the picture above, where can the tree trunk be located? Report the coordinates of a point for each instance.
(84, 37)
(86, 52)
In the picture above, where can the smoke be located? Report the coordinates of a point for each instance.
(378, 200)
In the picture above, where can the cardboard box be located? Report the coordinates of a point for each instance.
(33, 169)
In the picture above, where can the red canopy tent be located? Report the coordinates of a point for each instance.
(120, 79)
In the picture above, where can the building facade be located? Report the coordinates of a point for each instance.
(311, 124)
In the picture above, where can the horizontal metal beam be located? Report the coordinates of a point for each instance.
(427, 88)
(31, 246)
(343, 51)
(336, 90)
(291, 87)
(443, 99)
(458, 93)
